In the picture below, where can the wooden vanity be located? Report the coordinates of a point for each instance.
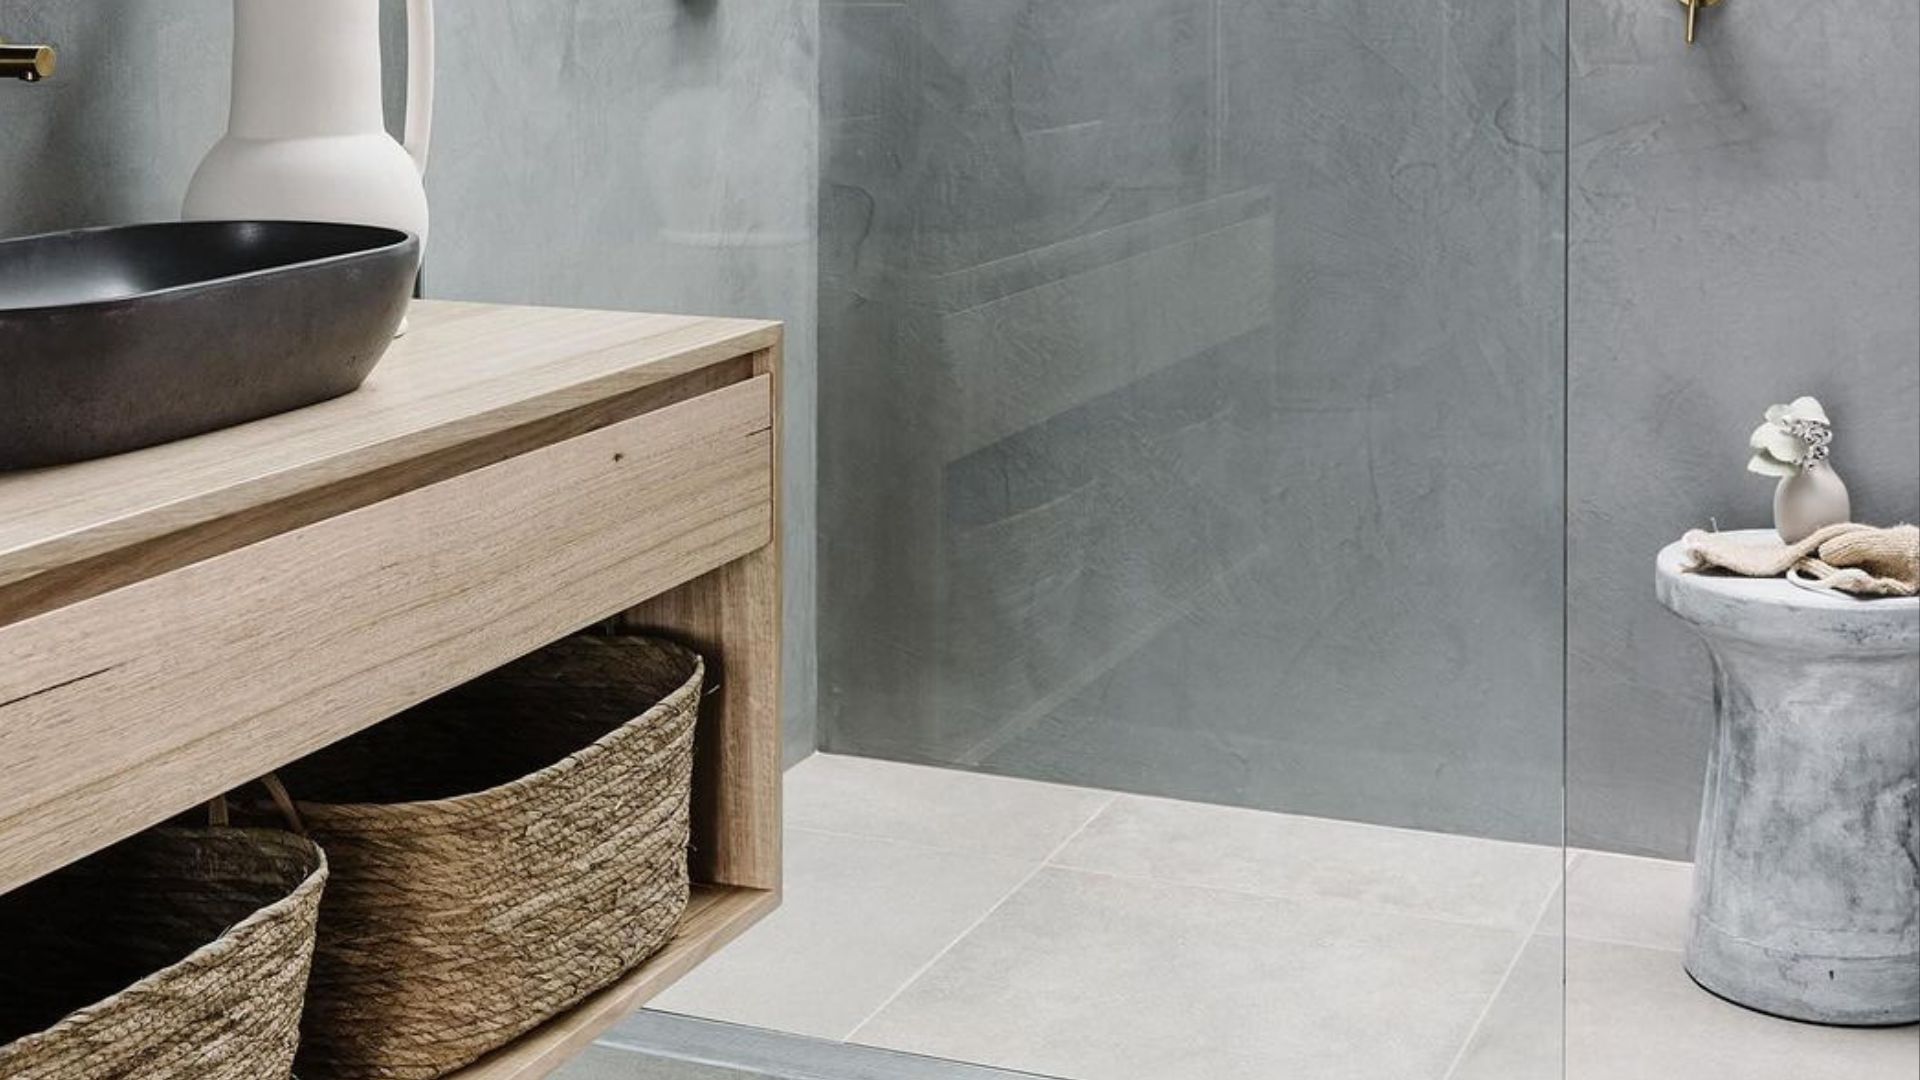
(177, 621)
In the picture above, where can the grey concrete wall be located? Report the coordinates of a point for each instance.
(1746, 228)
(1191, 399)
(1092, 514)
(140, 94)
(649, 154)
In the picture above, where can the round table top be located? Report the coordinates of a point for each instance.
(1776, 611)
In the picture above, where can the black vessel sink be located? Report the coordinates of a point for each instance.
(117, 338)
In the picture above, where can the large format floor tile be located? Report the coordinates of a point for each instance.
(859, 917)
(1632, 1014)
(946, 808)
(1105, 978)
(1486, 882)
(1629, 900)
(1521, 1035)
(1168, 941)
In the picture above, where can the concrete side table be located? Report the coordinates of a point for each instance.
(1805, 901)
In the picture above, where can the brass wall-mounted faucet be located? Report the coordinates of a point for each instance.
(28, 63)
(1693, 14)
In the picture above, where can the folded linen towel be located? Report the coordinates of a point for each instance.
(1858, 559)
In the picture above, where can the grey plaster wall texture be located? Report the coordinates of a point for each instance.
(1745, 229)
(1108, 568)
(658, 155)
(641, 154)
(1191, 405)
(140, 95)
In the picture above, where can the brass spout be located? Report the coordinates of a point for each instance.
(1693, 15)
(28, 63)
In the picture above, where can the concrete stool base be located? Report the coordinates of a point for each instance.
(1806, 899)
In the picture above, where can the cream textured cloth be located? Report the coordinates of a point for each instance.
(1858, 559)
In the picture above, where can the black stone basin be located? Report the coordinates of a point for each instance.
(117, 338)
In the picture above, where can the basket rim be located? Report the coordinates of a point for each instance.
(224, 942)
(682, 697)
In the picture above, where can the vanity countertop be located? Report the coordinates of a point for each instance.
(465, 373)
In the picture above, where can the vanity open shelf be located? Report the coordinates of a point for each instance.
(179, 620)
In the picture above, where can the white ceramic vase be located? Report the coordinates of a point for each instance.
(1808, 501)
(306, 138)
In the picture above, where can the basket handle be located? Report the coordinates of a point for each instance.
(217, 815)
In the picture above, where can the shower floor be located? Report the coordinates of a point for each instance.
(1091, 936)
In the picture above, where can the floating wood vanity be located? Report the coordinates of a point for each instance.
(177, 621)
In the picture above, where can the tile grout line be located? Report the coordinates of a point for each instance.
(1617, 943)
(1569, 853)
(1586, 853)
(1051, 860)
(1580, 856)
(1043, 864)
(921, 845)
(1361, 906)
(1529, 928)
(1526, 939)
(1111, 798)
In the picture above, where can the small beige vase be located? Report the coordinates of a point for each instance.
(1808, 501)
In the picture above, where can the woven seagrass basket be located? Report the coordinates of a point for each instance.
(498, 853)
(176, 953)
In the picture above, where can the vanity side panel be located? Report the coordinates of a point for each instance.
(732, 616)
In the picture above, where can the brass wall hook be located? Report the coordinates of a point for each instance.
(28, 63)
(1693, 14)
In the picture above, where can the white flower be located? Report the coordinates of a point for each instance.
(1803, 408)
(1795, 435)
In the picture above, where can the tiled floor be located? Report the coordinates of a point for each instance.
(1081, 934)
